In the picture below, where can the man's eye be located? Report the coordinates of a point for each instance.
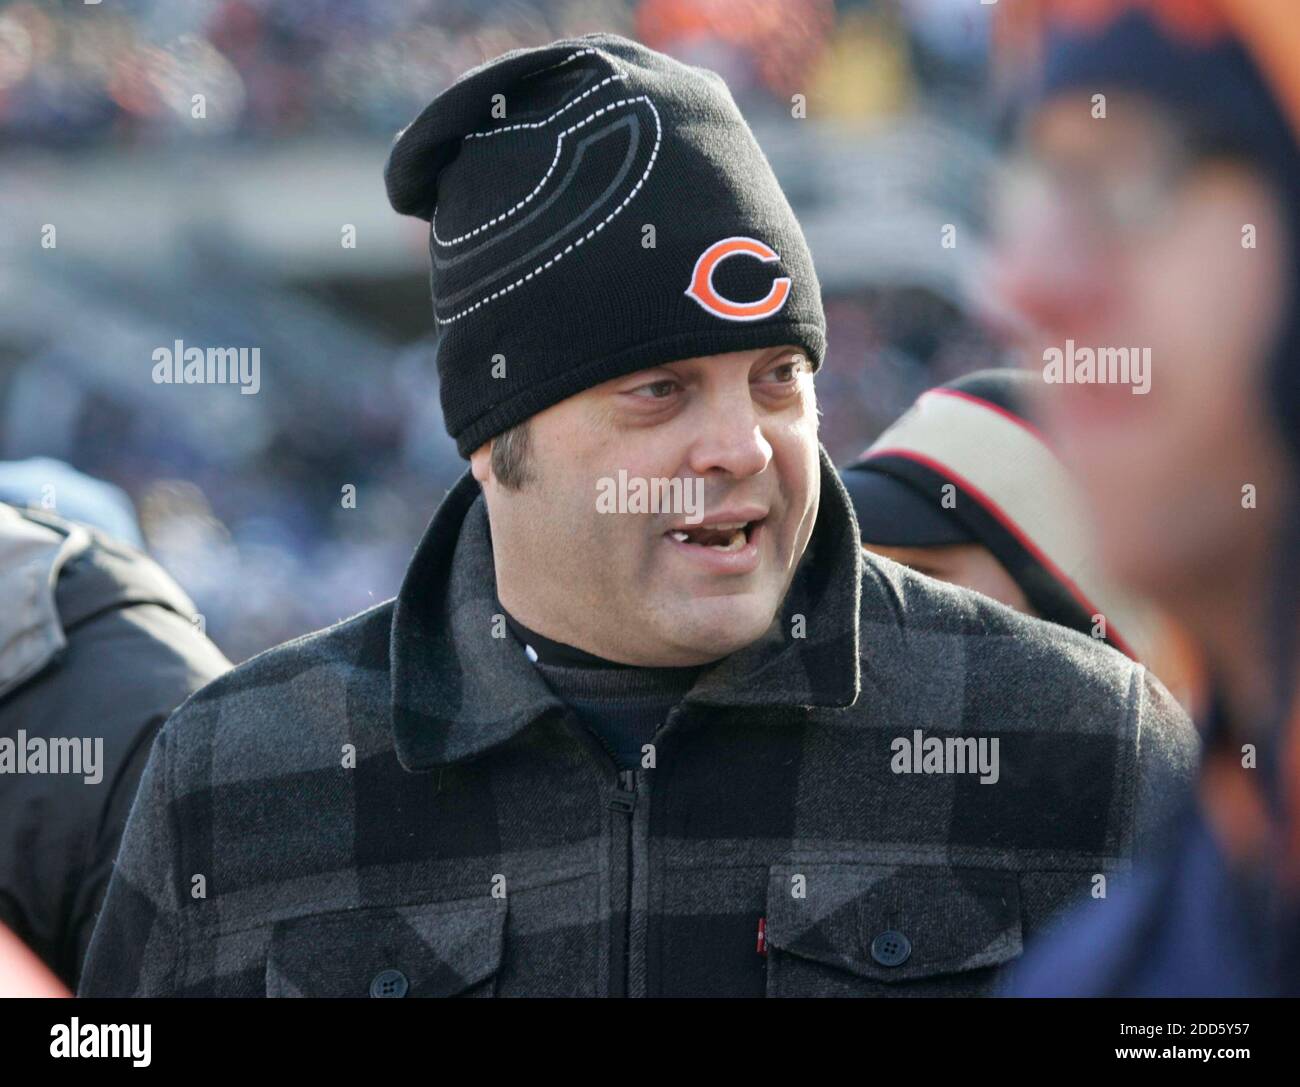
(656, 390)
(788, 371)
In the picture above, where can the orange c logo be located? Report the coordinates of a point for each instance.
(701, 288)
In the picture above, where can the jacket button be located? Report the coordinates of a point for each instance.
(389, 983)
(891, 948)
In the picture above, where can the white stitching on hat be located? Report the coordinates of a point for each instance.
(561, 63)
(543, 124)
(654, 154)
(559, 144)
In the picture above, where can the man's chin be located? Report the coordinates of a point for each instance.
(716, 627)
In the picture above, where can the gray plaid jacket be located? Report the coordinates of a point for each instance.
(399, 805)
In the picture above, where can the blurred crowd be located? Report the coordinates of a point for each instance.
(241, 498)
(127, 72)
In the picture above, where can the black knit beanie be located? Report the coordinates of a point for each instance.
(1008, 491)
(595, 208)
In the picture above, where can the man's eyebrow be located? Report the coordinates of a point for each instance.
(780, 352)
(644, 372)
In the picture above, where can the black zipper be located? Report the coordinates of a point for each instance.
(623, 802)
(625, 796)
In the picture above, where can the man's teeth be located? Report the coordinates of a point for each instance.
(734, 543)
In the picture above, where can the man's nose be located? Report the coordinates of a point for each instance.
(730, 439)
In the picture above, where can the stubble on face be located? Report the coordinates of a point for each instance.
(619, 584)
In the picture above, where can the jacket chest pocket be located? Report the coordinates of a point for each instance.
(889, 930)
(430, 950)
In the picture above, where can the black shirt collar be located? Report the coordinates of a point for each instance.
(550, 652)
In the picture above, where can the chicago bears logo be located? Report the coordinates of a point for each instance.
(701, 288)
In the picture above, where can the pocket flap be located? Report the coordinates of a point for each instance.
(895, 922)
(438, 949)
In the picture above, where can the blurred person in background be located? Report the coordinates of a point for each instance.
(1155, 206)
(585, 749)
(97, 647)
(23, 973)
(44, 483)
(963, 487)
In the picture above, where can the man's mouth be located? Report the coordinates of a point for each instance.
(728, 543)
(725, 538)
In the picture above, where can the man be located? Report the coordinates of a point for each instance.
(1161, 217)
(642, 719)
(97, 646)
(962, 487)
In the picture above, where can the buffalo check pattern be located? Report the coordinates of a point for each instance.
(398, 805)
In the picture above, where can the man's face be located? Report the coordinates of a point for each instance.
(1120, 249)
(579, 561)
(970, 565)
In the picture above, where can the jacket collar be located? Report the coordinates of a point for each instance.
(461, 686)
(32, 555)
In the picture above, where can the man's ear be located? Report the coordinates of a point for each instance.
(480, 463)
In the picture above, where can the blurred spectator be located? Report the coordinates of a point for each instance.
(964, 488)
(1173, 227)
(43, 483)
(22, 973)
(97, 647)
(964, 470)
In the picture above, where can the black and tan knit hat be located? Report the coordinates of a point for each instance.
(965, 464)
